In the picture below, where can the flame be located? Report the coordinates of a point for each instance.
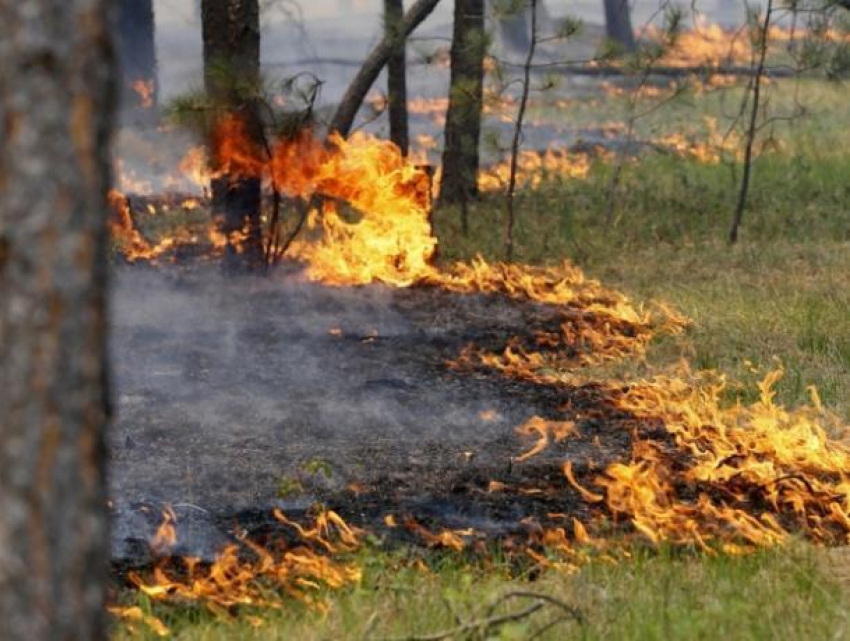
(760, 471)
(558, 430)
(166, 535)
(134, 614)
(533, 168)
(433, 108)
(708, 44)
(734, 477)
(145, 91)
(449, 539)
(244, 574)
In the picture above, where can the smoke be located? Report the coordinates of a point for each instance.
(250, 393)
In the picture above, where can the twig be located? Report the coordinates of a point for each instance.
(479, 624)
(491, 620)
(568, 609)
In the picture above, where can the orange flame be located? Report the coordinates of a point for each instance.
(145, 91)
(242, 575)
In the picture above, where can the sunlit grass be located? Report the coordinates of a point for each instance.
(779, 594)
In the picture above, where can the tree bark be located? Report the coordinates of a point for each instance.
(618, 24)
(343, 119)
(137, 57)
(231, 39)
(466, 101)
(57, 90)
(397, 76)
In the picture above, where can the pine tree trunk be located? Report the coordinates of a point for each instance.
(397, 76)
(137, 58)
(618, 23)
(231, 35)
(466, 101)
(57, 89)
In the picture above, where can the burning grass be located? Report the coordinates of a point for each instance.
(704, 472)
(771, 594)
(247, 574)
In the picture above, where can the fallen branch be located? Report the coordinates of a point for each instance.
(479, 625)
(488, 623)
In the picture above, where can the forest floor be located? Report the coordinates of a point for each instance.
(782, 293)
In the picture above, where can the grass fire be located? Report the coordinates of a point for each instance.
(425, 320)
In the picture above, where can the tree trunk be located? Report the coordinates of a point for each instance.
(348, 107)
(466, 100)
(618, 24)
(137, 58)
(397, 76)
(57, 86)
(231, 35)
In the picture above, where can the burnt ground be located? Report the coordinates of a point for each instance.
(238, 395)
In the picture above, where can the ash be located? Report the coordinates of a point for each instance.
(236, 395)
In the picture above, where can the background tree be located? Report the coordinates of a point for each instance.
(343, 118)
(137, 56)
(57, 90)
(231, 42)
(466, 102)
(618, 24)
(397, 75)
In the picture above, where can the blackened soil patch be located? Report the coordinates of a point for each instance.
(239, 395)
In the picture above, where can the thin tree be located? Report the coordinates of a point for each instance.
(466, 102)
(231, 42)
(761, 42)
(57, 90)
(517, 138)
(618, 24)
(397, 76)
(343, 118)
(137, 56)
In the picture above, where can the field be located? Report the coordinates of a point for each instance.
(781, 296)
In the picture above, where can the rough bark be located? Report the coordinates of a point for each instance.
(343, 119)
(57, 89)
(466, 100)
(231, 41)
(397, 76)
(137, 56)
(618, 23)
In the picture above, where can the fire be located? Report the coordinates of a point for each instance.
(734, 477)
(447, 539)
(534, 167)
(145, 91)
(708, 44)
(249, 574)
(759, 471)
(730, 477)
(557, 430)
(433, 108)
(135, 247)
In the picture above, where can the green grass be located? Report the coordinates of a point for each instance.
(780, 594)
(782, 293)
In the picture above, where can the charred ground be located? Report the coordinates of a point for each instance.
(239, 395)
